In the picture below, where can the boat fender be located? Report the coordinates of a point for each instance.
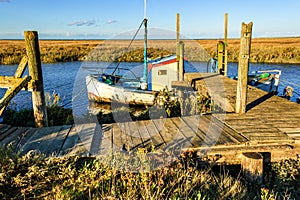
(288, 92)
(144, 86)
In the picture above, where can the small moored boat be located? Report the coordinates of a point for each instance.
(126, 88)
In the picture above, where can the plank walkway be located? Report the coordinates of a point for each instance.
(271, 124)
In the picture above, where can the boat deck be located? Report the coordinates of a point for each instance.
(271, 124)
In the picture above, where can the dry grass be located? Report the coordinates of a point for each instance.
(263, 50)
(33, 176)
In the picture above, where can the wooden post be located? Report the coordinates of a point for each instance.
(252, 164)
(181, 61)
(226, 43)
(177, 28)
(221, 57)
(35, 71)
(178, 45)
(243, 68)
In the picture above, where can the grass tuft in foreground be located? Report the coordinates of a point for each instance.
(34, 176)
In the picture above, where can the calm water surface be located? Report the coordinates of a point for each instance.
(60, 78)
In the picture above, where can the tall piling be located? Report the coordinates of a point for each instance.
(243, 68)
(35, 71)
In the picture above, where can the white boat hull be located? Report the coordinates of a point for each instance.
(102, 92)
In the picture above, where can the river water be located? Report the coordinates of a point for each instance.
(60, 78)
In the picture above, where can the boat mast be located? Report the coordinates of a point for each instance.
(145, 45)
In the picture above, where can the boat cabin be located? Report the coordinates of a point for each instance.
(162, 72)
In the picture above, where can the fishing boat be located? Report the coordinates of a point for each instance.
(267, 80)
(107, 88)
(123, 86)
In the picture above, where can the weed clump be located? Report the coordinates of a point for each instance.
(35, 176)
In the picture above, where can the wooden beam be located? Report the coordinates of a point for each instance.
(18, 85)
(21, 68)
(35, 71)
(243, 68)
(18, 74)
(9, 81)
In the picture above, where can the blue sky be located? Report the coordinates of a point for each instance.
(104, 19)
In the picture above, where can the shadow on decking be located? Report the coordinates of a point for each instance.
(193, 82)
(259, 101)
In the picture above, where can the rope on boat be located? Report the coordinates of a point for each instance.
(80, 92)
(126, 50)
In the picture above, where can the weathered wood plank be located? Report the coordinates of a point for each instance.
(14, 137)
(69, 145)
(195, 122)
(118, 137)
(133, 132)
(79, 140)
(144, 134)
(96, 140)
(186, 131)
(11, 92)
(125, 138)
(85, 132)
(41, 139)
(106, 147)
(44, 143)
(9, 130)
(171, 135)
(291, 130)
(154, 134)
(21, 67)
(18, 74)
(4, 128)
(215, 133)
(28, 134)
(57, 143)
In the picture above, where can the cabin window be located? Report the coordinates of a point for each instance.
(162, 72)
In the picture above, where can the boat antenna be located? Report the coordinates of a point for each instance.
(145, 44)
(145, 9)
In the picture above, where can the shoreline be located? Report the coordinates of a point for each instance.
(263, 50)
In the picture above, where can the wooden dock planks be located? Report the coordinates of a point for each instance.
(270, 123)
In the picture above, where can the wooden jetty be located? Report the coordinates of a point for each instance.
(270, 125)
(249, 126)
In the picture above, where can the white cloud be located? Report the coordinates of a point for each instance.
(83, 23)
(111, 21)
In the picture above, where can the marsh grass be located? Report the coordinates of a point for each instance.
(263, 50)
